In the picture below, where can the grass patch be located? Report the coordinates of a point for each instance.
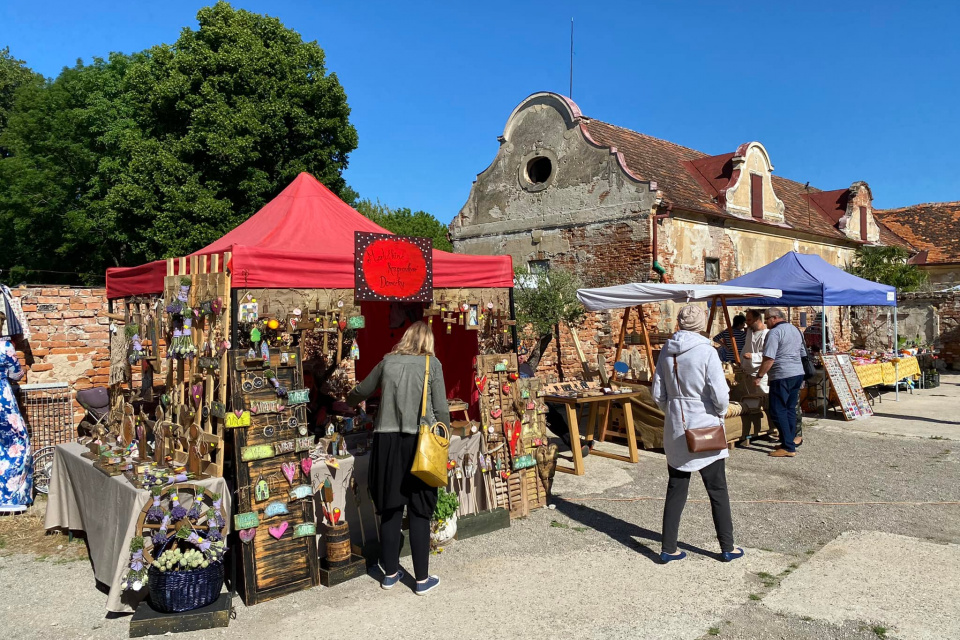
(42, 558)
(933, 438)
(558, 525)
(580, 529)
(763, 575)
(879, 631)
(807, 619)
(794, 566)
(810, 552)
(713, 631)
(754, 597)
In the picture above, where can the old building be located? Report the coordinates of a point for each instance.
(615, 204)
(934, 232)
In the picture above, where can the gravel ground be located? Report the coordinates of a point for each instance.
(586, 569)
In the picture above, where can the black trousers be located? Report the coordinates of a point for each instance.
(391, 523)
(715, 480)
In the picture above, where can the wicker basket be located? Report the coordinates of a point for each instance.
(178, 591)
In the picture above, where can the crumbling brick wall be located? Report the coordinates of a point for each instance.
(70, 339)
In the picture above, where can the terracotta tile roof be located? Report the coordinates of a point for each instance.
(692, 180)
(933, 228)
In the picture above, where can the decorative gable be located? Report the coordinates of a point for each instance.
(857, 221)
(750, 193)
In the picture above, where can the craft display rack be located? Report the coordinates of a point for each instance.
(846, 386)
(274, 510)
(513, 418)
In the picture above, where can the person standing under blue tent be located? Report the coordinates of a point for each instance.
(16, 462)
(782, 353)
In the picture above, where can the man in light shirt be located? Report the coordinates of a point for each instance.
(752, 355)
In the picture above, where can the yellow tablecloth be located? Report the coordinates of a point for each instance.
(885, 373)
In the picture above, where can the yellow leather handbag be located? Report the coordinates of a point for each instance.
(433, 445)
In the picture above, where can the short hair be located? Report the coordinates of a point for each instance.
(739, 320)
(756, 313)
(774, 312)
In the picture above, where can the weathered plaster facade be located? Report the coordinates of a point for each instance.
(553, 194)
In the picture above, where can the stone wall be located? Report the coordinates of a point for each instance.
(70, 339)
(933, 318)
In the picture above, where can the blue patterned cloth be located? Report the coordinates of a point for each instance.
(16, 461)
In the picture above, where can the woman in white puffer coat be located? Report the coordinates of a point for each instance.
(702, 396)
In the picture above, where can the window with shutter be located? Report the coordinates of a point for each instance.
(863, 223)
(756, 196)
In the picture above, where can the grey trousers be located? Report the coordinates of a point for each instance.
(715, 480)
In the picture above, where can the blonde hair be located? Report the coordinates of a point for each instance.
(416, 341)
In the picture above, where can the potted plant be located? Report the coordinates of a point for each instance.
(444, 525)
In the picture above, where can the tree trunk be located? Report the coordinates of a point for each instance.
(537, 352)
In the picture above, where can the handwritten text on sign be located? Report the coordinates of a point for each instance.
(393, 268)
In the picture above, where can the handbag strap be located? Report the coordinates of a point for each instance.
(676, 376)
(426, 385)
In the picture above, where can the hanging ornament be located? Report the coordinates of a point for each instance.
(265, 351)
(354, 351)
(251, 354)
(255, 335)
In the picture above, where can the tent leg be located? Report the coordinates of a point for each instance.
(896, 355)
(823, 352)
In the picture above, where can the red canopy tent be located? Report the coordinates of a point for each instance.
(304, 239)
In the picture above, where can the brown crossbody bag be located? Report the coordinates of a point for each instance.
(702, 438)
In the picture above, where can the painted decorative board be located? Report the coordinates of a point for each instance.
(278, 557)
(845, 398)
(853, 381)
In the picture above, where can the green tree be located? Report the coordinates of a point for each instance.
(405, 222)
(14, 74)
(156, 154)
(543, 301)
(887, 265)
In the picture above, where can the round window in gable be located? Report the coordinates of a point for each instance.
(538, 170)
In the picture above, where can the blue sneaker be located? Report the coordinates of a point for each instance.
(389, 582)
(423, 588)
(666, 557)
(728, 556)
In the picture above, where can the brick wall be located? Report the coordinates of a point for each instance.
(69, 342)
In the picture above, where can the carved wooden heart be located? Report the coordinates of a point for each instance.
(278, 531)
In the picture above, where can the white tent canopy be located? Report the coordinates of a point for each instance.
(630, 295)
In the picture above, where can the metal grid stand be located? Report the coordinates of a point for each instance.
(47, 410)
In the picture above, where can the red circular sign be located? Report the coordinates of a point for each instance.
(394, 268)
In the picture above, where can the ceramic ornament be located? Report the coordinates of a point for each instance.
(289, 471)
(247, 535)
(278, 531)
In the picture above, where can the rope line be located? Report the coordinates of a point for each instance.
(810, 502)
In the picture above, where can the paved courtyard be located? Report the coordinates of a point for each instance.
(883, 566)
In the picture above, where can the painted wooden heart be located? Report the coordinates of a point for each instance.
(289, 471)
(342, 324)
(514, 376)
(306, 464)
(506, 388)
(481, 382)
(247, 535)
(496, 412)
(278, 531)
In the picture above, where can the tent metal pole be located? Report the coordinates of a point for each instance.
(823, 353)
(896, 356)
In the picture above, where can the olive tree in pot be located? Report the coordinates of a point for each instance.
(444, 525)
(543, 301)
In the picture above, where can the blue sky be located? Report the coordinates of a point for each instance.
(836, 91)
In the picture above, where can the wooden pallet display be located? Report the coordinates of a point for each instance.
(198, 441)
(838, 381)
(853, 381)
(273, 567)
(522, 489)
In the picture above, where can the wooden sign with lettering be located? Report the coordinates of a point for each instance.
(233, 420)
(390, 267)
(298, 396)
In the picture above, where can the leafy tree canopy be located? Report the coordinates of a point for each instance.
(13, 75)
(405, 222)
(158, 153)
(887, 265)
(546, 299)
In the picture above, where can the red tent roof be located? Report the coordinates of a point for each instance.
(303, 239)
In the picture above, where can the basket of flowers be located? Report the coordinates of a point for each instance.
(180, 553)
(187, 575)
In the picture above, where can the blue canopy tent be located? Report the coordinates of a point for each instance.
(810, 281)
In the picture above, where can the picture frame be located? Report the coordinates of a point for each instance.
(471, 320)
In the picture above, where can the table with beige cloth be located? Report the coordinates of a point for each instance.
(106, 508)
(470, 491)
